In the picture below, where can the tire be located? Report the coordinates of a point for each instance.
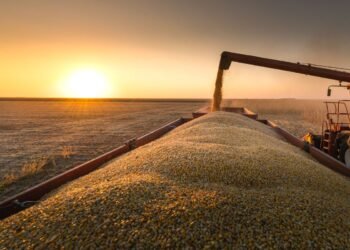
(347, 158)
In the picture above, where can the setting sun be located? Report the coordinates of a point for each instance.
(86, 83)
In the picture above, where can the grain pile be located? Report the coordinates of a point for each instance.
(221, 180)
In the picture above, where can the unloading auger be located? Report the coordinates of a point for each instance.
(307, 69)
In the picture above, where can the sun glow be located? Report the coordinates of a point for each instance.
(86, 83)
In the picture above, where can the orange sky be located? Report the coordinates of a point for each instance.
(164, 49)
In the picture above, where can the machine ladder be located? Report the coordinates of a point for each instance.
(337, 119)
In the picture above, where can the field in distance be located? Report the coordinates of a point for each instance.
(41, 139)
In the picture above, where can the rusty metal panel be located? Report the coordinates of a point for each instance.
(289, 137)
(239, 110)
(197, 114)
(250, 114)
(201, 112)
(329, 161)
(264, 121)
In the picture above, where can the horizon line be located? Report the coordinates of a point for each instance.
(78, 99)
(99, 99)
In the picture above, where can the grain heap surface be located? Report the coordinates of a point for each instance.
(221, 180)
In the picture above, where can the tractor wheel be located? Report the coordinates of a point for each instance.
(347, 158)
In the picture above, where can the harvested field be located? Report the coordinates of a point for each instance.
(51, 137)
(41, 139)
(222, 180)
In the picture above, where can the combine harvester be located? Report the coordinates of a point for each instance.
(336, 126)
(203, 185)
